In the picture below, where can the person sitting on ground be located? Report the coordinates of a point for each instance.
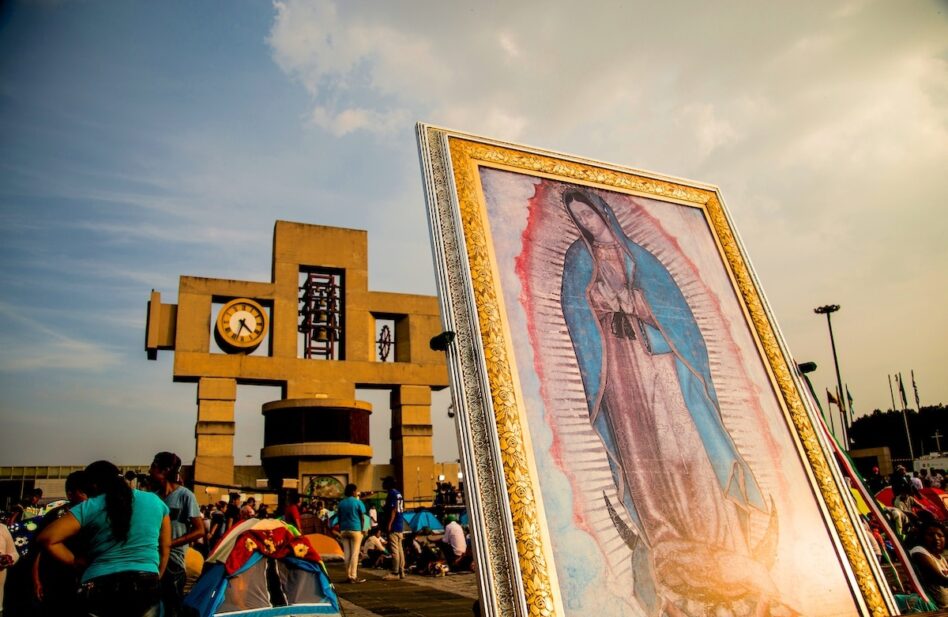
(454, 543)
(898, 520)
(424, 552)
(930, 563)
(129, 536)
(905, 502)
(373, 549)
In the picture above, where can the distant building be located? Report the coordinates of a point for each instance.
(16, 482)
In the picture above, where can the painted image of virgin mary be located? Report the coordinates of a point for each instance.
(678, 474)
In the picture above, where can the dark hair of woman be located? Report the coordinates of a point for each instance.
(78, 481)
(350, 490)
(293, 498)
(169, 462)
(106, 479)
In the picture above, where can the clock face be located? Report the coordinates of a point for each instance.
(241, 324)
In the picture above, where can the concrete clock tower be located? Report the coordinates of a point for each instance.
(316, 331)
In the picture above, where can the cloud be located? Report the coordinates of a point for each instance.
(820, 123)
(48, 348)
(58, 354)
(350, 120)
(710, 131)
(180, 233)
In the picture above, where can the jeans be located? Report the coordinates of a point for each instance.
(397, 549)
(123, 594)
(172, 588)
(351, 543)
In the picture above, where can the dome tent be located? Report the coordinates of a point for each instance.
(261, 569)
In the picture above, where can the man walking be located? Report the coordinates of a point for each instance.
(187, 526)
(395, 527)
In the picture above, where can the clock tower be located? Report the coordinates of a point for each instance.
(316, 331)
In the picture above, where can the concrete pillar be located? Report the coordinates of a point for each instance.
(214, 432)
(411, 434)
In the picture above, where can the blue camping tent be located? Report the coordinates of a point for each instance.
(421, 519)
(235, 579)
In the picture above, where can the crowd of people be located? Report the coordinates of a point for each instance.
(917, 518)
(118, 545)
(110, 550)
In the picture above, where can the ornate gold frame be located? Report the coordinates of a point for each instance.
(517, 577)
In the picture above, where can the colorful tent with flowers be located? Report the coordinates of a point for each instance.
(261, 568)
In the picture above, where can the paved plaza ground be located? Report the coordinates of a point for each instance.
(415, 596)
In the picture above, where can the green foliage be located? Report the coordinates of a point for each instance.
(887, 428)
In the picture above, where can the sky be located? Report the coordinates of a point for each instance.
(140, 141)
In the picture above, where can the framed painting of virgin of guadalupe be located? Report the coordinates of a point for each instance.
(633, 430)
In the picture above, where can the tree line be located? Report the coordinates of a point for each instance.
(928, 427)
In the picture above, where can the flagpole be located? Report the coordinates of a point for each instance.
(918, 404)
(849, 403)
(841, 406)
(891, 392)
(830, 415)
(908, 434)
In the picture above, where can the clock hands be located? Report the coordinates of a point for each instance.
(241, 325)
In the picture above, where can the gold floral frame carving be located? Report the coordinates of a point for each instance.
(459, 156)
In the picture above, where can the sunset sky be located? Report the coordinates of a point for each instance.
(140, 141)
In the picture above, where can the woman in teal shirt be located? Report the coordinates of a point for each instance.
(351, 511)
(129, 535)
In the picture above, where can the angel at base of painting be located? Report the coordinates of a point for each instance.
(648, 386)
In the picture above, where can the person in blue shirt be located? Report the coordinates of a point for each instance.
(351, 512)
(187, 526)
(394, 521)
(129, 536)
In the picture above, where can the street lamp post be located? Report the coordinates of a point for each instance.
(828, 310)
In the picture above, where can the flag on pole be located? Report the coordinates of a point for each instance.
(915, 387)
(832, 399)
(849, 399)
(891, 395)
(902, 392)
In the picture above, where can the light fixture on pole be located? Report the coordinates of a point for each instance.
(828, 310)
